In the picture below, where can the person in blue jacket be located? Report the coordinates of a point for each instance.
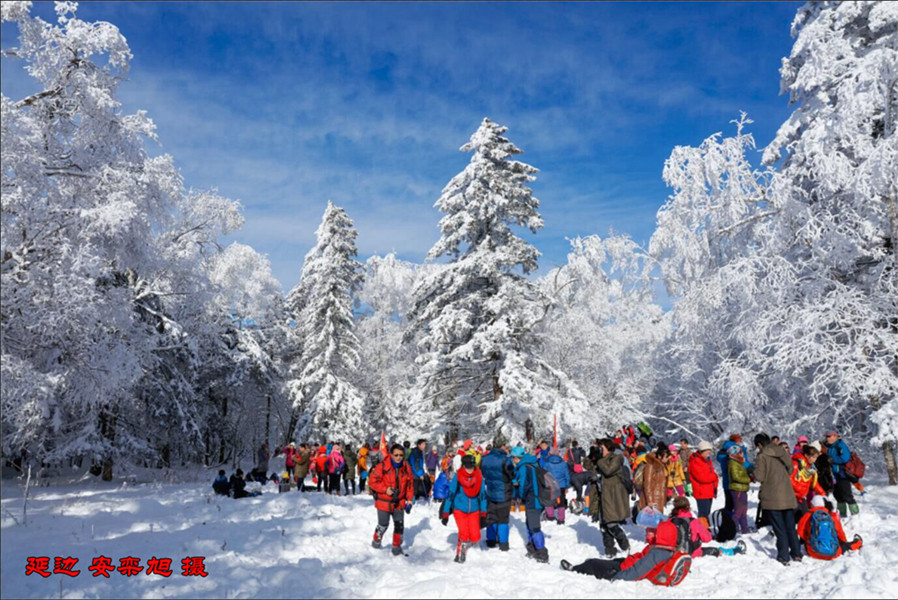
(839, 453)
(498, 477)
(419, 470)
(559, 470)
(723, 459)
(467, 503)
(527, 490)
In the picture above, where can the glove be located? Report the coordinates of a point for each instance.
(408, 507)
(444, 519)
(482, 519)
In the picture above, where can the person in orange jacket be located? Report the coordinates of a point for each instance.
(392, 483)
(321, 468)
(804, 479)
(805, 532)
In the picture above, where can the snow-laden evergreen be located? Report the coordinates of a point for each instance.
(478, 352)
(324, 395)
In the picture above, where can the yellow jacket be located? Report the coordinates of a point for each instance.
(675, 474)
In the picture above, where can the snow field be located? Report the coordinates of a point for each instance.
(312, 545)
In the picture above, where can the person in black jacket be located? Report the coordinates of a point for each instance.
(238, 485)
(221, 485)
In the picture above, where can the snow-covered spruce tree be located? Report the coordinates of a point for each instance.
(387, 365)
(480, 371)
(326, 401)
(604, 327)
(837, 194)
(103, 278)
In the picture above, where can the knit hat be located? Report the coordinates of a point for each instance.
(673, 448)
(817, 502)
(816, 445)
(467, 444)
(468, 460)
(704, 445)
(517, 452)
(802, 438)
(734, 450)
(829, 433)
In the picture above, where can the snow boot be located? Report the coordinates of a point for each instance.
(397, 544)
(503, 546)
(566, 565)
(854, 509)
(461, 550)
(378, 536)
(856, 543)
(491, 543)
(740, 547)
(559, 515)
(843, 509)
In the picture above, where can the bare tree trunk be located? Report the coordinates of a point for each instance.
(888, 452)
(107, 430)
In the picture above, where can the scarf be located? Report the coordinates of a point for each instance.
(470, 482)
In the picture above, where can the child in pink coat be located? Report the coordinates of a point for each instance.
(699, 533)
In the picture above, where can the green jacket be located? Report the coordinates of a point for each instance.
(739, 478)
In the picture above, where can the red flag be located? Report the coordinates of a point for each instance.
(555, 432)
(383, 444)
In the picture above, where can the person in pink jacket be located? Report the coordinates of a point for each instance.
(681, 516)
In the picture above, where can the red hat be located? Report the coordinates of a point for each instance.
(467, 444)
(802, 438)
(666, 535)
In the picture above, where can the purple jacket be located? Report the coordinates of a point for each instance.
(432, 461)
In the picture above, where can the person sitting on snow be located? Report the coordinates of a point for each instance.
(682, 516)
(238, 485)
(220, 485)
(821, 531)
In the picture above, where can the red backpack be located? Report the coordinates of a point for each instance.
(672, 571)
(855, 466)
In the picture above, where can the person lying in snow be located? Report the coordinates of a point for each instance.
(647, 564)
(821, 531)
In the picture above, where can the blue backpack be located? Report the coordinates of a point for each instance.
(441, 487)
(822, 537)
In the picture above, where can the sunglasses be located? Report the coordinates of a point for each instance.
(399, 455)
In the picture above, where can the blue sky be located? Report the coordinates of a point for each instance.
(286, 105)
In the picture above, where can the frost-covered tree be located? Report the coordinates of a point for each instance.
(104, 253)
(327, 402)
(837, 195)
(604, 327)
(387, 364)
(480, 367)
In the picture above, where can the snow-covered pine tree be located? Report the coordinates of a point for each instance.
(480, 368)
(837, 194)
(327, 402)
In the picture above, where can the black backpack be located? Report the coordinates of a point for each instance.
(684, 535)
(723, 525)
(626, 477)
(548, 489)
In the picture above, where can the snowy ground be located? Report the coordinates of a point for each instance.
(292, 545)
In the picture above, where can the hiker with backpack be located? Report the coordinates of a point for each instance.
(844, 474)
(467, 503)
(704, 480)
(391, 484)
(416, 461)
(723, 459)
(559, 470)
(498, 477)
(738, 490)
(821, 531)
(804, 479)
(660, 562)
(528, 491)
(614, 498)
(773, 470)
(696, 533)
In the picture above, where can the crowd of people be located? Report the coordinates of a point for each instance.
(806, 490)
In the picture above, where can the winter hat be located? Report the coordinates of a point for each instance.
(736, 438)
(480, 449)
(704, 445)
(468, 460)
(673, 448)
(829, 433)
(817, 502)
(517, 452)
(802, 438)
(816, 445)
(734, 450)
(666, 534)
(467, 444)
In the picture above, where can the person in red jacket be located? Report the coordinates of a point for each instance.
(704, 480)
(804, 531)
(392, 483)
(321, 468)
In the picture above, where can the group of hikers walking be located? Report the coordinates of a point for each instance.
(805, 492)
